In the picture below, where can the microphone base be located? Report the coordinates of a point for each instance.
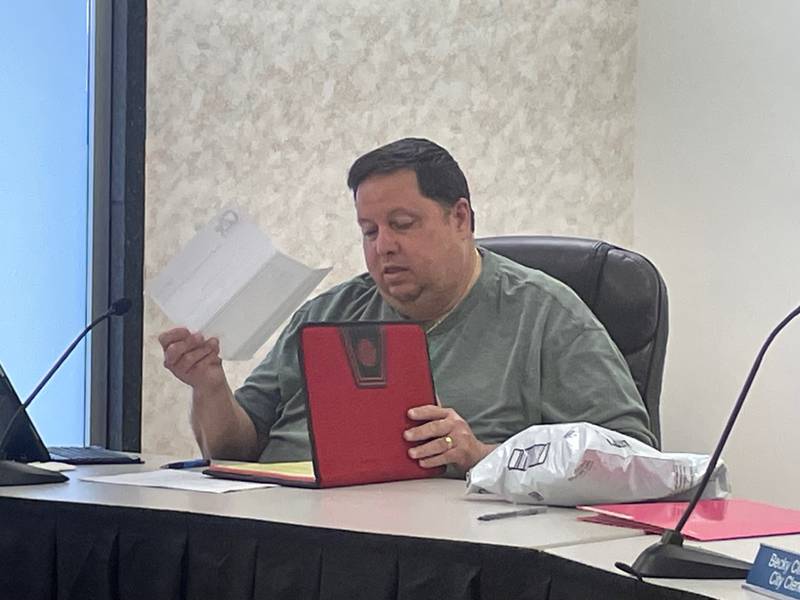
(669, 558)
(15, 473)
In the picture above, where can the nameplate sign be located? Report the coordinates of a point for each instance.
(775, 573)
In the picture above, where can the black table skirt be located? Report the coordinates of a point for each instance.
(54, 550)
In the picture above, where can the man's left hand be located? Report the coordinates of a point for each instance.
(448, 439)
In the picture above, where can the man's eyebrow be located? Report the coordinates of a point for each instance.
(392, 214)
(402, 212)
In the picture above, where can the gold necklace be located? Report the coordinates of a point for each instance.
(435, 324)
(476, 272)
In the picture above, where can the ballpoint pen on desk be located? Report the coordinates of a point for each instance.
(531, 510)
(187, 464)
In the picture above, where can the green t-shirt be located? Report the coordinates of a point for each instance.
(520, 349)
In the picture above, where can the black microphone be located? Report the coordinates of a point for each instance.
(13, 473)
(120, 307)
(669, 558)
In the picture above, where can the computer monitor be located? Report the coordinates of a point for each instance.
(24, 443)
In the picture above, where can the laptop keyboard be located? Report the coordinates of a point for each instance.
(90, 455)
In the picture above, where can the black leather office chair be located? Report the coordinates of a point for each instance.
(622, 288)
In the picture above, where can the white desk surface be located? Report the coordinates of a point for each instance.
(603, 555)
(431, 508)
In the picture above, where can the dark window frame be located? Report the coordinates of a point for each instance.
(118, 221)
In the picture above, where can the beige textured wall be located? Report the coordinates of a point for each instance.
(266, 103)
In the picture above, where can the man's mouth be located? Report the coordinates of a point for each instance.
(391, 270)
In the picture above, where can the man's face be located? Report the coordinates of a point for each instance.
(418, 252)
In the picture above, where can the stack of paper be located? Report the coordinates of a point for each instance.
(231, 283)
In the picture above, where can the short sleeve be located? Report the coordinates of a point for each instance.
(264, 390)
(587, 379)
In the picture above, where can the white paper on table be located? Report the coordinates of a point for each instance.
(177, 479)
(230, 282)
(52, 465)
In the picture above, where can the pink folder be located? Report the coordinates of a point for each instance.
(711, 519)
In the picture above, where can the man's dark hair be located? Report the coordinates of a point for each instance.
(438, 175)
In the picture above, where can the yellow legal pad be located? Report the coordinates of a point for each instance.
(298, 471)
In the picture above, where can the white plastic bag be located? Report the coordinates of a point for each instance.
(581, 463)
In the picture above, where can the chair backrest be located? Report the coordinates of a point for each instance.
(622, 288)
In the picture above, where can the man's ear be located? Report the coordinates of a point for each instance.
(462, 213)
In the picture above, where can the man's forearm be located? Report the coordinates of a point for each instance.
(222, 428)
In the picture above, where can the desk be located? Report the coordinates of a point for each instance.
(413, 539)
(603, 555)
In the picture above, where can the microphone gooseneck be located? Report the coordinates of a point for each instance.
(118, 307)
(669, 557)
(732, 420)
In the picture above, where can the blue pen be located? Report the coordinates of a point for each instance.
(187, 464)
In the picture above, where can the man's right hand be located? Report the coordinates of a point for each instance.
(193, 359)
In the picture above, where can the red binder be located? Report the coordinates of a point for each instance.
(361, 378)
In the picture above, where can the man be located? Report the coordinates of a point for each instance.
(509, 346)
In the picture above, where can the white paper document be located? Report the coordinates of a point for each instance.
(230, 282)
(177, 479)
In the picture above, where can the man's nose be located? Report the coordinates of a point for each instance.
(386, 242)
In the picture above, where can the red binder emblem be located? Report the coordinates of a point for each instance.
(364, 345)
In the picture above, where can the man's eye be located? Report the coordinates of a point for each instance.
(401, 225)
(369, 233)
